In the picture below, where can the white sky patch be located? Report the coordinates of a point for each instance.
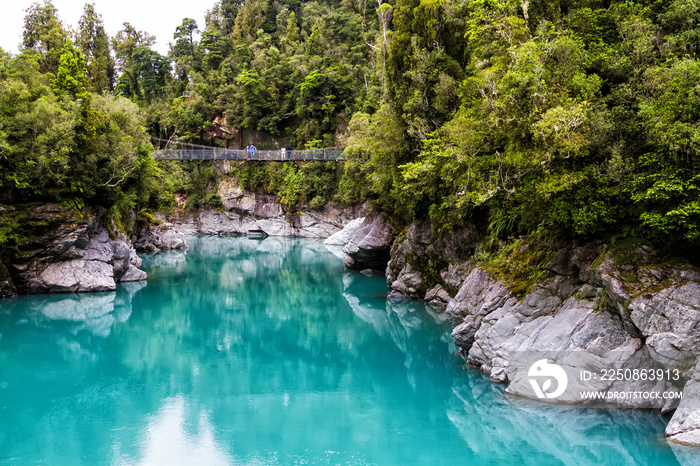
(157, 17)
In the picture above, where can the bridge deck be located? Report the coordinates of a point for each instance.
(320, 155)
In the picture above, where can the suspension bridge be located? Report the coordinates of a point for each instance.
(173, 150)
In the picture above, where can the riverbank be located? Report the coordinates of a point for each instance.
(54, 248)
(248, 213)
(237, 350)
(593, 307)
(60, 249)
(542, 299)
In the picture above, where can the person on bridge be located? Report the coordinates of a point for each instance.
(283, 153)
(252, 151)
(247, 152)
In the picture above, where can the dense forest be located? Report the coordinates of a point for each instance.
(572, 117)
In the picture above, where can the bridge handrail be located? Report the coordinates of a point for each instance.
(217, 153)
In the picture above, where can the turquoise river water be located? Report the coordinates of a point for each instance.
(244, 351)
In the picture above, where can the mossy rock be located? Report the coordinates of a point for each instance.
(520, 262)
(149, 219)
(634, 252)
(27, 222)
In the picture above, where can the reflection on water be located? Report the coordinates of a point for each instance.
(267, 351)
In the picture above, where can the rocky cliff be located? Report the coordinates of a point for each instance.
(64, 250)
(247, 213)
(590, 309)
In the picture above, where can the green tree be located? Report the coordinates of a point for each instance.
(143, 71)
(70, 78)
(223, 16)
(93, 42)
(44, 32)
(184, 38)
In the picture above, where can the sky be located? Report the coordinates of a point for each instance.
(157, 17)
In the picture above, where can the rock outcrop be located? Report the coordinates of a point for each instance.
(337, 241)
(154, 238)
(369, 246)
(684, 426)
(7, 286)
(247, 213)
(592, 308)
(417, 258)
(344, 236)
(70, 251)
(592, 312)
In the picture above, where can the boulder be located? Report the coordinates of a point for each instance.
(670, 321)
(370, 244)
(438, 296)
(71, 251)
(74, 276)
(133, 274)
(154, 238)
(343, 237)
(684, 426)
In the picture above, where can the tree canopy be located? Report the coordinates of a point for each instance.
(572, 116)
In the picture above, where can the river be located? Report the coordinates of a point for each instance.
(245, 351)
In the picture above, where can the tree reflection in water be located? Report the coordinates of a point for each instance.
(267, 351)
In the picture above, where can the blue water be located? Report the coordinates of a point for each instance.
(262, 352)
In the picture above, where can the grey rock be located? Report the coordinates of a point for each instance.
(153, 238)
(479, 296)
(456, 273)
(343, 237)
(684, 426)
(75, 253)
(7, 286)
(260, 215)
(134, 258)
(438, 296)
(419, 249)
(235, 199)
(253, 213)
(585, 312)
(670, 319)
(214, 222)
(370, 244)
(408, 282)
(75, 276)
(133, 274)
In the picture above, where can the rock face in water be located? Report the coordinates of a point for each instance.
(416, 254)
(344, 236)
(246, 213)
(71, 252)
(684, 426)
(7, 286)
(369, 244)
(588, 310)
(158, 238)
